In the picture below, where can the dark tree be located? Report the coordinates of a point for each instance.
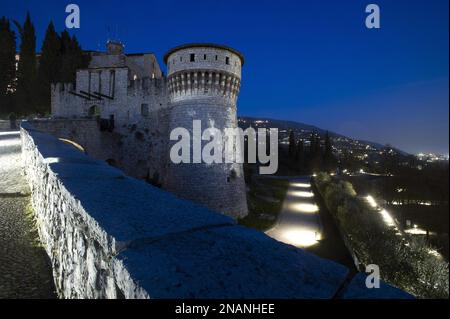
(300, 155)
(72, 58)
(312, 145)
(315, 157)
(328, 157)
(49, 68)
(7, 65)
(26, 71)
(292, 145)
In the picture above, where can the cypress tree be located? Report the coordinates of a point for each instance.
(300, 155)
(315, 158)
(49, 67)
(72, 58)
(26, 70)
(328, 153)
(292, 145)
(7, 65)
(312, 145)
(66, 58)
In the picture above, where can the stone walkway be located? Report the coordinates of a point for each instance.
(305, 222)
(25, 271)
(299, 222)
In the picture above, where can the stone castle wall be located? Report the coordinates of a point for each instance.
(138, 150)
(130, 102)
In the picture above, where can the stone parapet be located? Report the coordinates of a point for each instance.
(112, 236)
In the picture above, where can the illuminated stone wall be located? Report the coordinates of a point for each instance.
(112, 236)
(203, 84)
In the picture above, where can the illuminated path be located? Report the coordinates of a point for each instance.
(306, 223)
(24, 268)
(299, 221)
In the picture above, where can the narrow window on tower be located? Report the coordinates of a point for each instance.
(144, 110)
(216, 57)
(192, 57)
(204, 56)
(227, 60)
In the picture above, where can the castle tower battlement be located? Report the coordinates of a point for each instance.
(203, 70)
(203, 84)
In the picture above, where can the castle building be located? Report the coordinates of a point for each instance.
(144, 105)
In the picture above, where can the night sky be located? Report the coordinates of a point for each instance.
(308, 61)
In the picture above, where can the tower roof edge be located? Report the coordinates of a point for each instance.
(203, 45)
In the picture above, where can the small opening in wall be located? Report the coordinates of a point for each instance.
(94, 111)
(144, 110)
(181, 59)
(192, 57)
(204, 56)
(216, 57)
(232, 176)
(227, 60)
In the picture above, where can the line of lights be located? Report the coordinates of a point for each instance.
(301, 194)
(387, 218)
(301, 185)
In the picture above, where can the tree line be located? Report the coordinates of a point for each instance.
(25, 82)
(312, 158)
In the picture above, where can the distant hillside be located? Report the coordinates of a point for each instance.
(305, 129)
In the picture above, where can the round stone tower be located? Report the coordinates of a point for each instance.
(203, 84)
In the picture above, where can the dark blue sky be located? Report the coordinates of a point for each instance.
(307, 61)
